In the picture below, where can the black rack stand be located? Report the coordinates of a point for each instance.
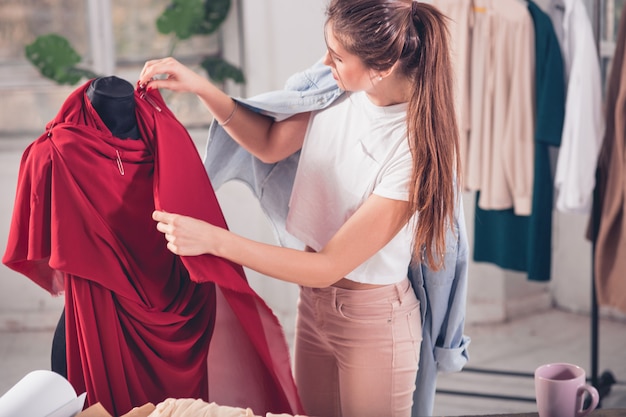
(603, 382)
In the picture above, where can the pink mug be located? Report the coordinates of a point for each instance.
(561, 388)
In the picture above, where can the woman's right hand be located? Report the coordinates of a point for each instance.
(257, 133)
(170, 74)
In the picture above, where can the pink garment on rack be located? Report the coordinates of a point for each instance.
(610, 247)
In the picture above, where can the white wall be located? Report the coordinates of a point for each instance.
(281, 37)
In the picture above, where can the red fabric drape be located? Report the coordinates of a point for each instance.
(138, 318)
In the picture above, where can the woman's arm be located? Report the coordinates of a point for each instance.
(267, 140)
(370, 228)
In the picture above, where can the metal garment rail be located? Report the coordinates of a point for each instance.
(601, 382)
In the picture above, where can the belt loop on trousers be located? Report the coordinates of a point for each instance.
(333, 298)
(399, 291)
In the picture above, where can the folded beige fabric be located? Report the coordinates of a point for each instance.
(190, 407)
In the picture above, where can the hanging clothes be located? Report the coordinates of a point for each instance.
(500, 152)
(608, 221)
(511, 84)
(140, 321)
(524, 243)
(493, 57)
(583, 125)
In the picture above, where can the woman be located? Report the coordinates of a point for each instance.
(381, 156)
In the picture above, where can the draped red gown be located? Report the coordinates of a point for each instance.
(140, 321)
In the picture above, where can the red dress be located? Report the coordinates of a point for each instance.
(140, 321)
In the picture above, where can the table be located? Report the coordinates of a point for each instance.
(621, 412)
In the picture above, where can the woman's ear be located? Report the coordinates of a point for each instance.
(379, 75)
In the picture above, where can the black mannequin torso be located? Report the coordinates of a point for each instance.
(114, 100)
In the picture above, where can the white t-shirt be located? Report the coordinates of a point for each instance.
(351, 150)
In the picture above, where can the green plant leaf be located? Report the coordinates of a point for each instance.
(55, 59)
(219, 70)
(186, 18)
(215, 13)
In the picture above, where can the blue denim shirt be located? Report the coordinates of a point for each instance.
(442, 294)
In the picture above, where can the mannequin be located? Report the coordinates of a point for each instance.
(139, 320)
(114, 100)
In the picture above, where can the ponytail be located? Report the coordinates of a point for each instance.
(432, 132)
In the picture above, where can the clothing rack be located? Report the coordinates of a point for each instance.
(601, 382)
(604, 381)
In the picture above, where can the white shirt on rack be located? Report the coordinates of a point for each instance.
(583, 126)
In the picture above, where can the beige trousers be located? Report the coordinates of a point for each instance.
(357, 351)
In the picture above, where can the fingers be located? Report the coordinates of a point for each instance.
(173, 248)
(181, 233)
(163, 216)
(170, 223)
(157, 70)
(165, 225)
(166, 222)
(168, 73)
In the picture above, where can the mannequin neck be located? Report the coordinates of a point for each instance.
(114, 100)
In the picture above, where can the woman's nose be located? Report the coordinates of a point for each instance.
(327, 59)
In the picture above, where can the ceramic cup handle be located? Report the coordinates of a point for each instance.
(593, 394)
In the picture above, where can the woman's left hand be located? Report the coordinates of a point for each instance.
(186, 236)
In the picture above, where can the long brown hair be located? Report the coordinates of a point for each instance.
(414, 36)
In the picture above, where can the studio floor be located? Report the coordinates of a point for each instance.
(489, 385)
(504, 356)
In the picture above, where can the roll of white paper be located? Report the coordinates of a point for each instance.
(41, 393)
